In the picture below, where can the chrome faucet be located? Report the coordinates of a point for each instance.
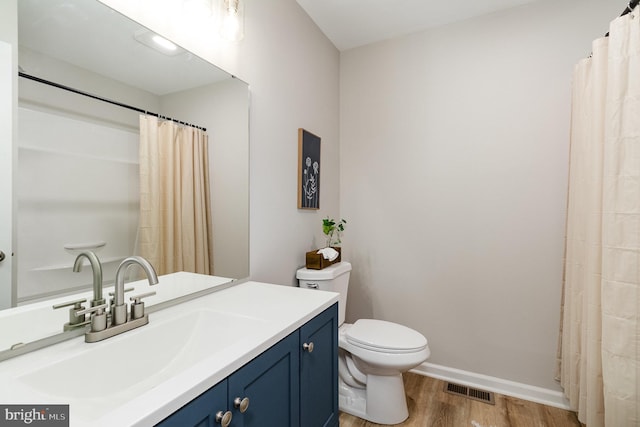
(97, 275)
(120, 320)
(120, 308)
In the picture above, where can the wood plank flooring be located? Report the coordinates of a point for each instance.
(430, 406)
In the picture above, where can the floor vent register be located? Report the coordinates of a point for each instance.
(470, 392)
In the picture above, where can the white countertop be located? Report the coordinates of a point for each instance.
(273, 312)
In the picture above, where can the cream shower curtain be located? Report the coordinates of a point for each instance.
(175, 220)
(600, 337)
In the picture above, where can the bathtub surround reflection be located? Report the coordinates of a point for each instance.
(77, 182)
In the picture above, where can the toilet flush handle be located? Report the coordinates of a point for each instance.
(313, 285)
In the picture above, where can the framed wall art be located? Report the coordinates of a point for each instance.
(308, 170)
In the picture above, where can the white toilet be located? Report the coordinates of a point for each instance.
(373, 354)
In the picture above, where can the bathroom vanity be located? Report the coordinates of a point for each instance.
(263, 354)
(293, 383)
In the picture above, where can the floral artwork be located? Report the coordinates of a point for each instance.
(310, 182)
(308, 170)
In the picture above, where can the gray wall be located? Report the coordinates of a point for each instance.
(454, 153)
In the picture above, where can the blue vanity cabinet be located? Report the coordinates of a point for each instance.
(201, 411)
(271, 385)
(319, 370)
(289, 385)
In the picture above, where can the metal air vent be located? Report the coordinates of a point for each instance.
(471, 393)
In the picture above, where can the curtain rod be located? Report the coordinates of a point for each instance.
(632, 5)
(109, 101)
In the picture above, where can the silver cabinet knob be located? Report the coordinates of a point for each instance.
(308, 347)
(223, 418)
(242, 404)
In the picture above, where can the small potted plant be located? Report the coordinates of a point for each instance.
(333, 230)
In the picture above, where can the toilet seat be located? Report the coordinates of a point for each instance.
(384, 337)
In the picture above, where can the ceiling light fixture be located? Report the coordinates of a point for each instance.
(232, 20)
(164, 43)
(157, 43)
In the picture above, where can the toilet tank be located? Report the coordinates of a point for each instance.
(334, 278)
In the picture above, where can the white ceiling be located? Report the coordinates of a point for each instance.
(353, 23)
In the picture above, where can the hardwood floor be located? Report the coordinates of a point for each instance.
(430, 406)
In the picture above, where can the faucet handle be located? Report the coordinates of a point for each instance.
(113, 293)
(137, 306)
(99, 309)
(98, 318)
(76, 303)
(136, 298)
(74, 318)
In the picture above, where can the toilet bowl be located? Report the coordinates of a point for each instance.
(373, 354)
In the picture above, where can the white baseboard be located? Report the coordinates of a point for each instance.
(497, 385)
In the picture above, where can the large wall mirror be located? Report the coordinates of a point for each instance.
(76, 175)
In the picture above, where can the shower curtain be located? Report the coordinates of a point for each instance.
(600, 336)
(175, 220)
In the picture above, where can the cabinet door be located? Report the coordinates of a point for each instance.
(270, 382)
(201, 411)
(319, 370)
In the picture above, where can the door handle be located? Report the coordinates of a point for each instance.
(2, 256)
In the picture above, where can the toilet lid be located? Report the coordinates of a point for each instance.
(382, 336)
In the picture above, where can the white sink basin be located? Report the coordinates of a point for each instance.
(139, 359)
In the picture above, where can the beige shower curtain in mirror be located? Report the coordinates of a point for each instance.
(175, 220)
(600, 337)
